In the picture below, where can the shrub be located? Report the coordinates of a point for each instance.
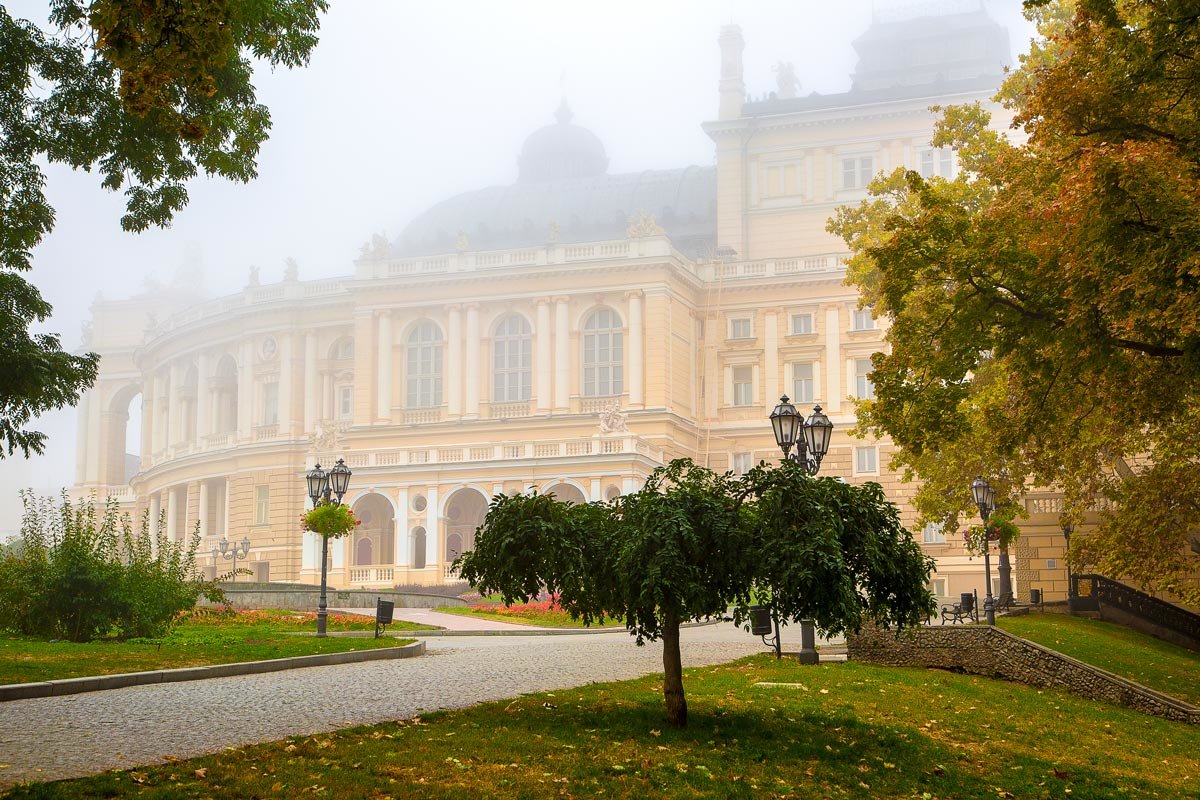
(77, 575)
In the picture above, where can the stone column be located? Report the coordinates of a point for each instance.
(245, 403)
(175, 405)
(155, 512)
(433, 531)
(453, 373)
(637, 351)
(147, 447)
(287, 415)
(225, 500)
(328, 401)
(172, 514)
(403, 546)
(81, 436)
(771, 346)
(310, 382)
(203, 399)
(383, 397)
(202, 510)
(542, 387)
(833, 360)
(473, 375)
(562, 356)
(364, 361)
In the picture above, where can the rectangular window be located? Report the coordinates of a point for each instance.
(262, 504)
(933, 533)
(938, 163)
(802, 383)
(741, 329)
(864, 389)
(345, 408)
(802, 324)
(270, 403)
(938, 587)
(743, 386)
(857, 172)
(863, 319)
(742, 463)
(866, 460)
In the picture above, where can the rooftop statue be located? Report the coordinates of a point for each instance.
(643, 225)
(291, 270)
(785, 80)
(253, 280)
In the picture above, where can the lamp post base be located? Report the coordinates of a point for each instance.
(808, 643)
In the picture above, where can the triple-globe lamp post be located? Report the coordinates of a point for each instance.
(321, 485)
(985, 498)
(810, 440)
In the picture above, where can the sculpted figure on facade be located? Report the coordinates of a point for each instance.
(613, 420)
(644, 225)
(327, 437)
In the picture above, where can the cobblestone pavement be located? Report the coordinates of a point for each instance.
(61, 737)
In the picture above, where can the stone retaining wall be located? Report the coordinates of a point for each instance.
(305, 599)
(989, 651)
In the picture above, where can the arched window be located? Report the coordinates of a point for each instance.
(418, 544)
(424, 372)
(512, 360)
(602, 354)
(342, 350)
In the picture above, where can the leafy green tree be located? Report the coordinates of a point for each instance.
(149, 93)
(1045, 307)
(691, 543)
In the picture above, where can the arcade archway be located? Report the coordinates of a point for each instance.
(374, 541)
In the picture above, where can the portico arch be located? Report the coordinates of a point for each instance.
(375, 538)
(566, 491)
(121, 441)
(464, 512)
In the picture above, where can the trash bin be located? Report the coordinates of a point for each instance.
(383, 614)
(1035, 597)
(761, 623)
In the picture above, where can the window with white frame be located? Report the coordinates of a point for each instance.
(933, 533)
(937, 163)
(802, 383)
(512, 360)
(866, 460)
(603, 354)
(424, 372)
(863, 319)
(270, 403)
(864, 388)
(802, 323)
(345, 402)
(343, 349)
(857, 171)
(741, 328)
(742, 463)
(780, 181)
(938, 587)
(262, 505)
(743, 385)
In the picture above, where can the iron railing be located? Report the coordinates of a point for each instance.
(1141, 605)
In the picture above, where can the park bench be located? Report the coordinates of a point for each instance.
(965, 609)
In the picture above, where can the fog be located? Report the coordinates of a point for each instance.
(405, 104)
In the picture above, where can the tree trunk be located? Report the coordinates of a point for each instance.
(673, 672)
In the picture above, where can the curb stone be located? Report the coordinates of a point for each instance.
(97, 683)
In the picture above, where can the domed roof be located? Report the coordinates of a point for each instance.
(561, 151)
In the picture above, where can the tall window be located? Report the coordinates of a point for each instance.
(345, 402)
(864, 389)
(741, 328)
(802, 383)
(743, 386)
(512, 360)
(742, 462)
(863, 319)
(342, 350)
(866, 460)
(603, 354)
(424, 373)
(262, 504)
(933, 533)
(937, 163)
(857, 172)
(270, 403)
(801, 324)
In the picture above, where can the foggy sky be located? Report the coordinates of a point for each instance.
(405, 104)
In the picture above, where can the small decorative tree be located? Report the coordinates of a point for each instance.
(691, 543)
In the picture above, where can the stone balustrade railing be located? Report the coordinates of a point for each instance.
(773, 267)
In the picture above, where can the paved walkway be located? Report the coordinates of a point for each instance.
(451, 622)
(60, 737)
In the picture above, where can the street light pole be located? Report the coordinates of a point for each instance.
(985, 498)
(321, 486)
(811, 439)
(232, 553)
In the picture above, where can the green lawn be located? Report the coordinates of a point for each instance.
(1151, 662)
(759, 728)
(522, 615)
(209, 637)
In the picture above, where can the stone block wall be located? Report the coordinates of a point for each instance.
(989, 651)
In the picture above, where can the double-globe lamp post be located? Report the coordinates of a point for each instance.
(321, 485)
(985, 498)
(810, 439)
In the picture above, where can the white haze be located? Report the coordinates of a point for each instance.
(407, 103)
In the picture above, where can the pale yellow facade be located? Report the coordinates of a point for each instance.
(567, 362)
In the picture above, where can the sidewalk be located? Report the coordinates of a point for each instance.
(451, 622)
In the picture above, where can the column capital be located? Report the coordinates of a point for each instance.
(635, 293)
(471, 306)
(454, 307)
(561, 298)
(543, 301)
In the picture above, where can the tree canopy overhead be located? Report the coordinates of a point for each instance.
(691, 543)
(1045, 302)
(149, 93)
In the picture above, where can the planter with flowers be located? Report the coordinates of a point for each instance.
(999, 529)
(331, 520)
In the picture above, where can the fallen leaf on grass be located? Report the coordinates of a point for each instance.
(201, 773)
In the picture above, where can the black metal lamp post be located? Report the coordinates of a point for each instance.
(811, 439)
(985, 498)
(235, 551)
(321, 485)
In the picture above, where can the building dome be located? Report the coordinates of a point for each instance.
(561, 151)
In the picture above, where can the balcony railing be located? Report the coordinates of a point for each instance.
(597, 445)
(772, 267)
(372, 574)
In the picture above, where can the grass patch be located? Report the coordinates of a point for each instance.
(206, 636)
(1151, 662)
(525, 614)
(759, 728)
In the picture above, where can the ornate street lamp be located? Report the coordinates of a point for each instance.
(321, 485)
(236, 551)
(811, 440)
(985, 498)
